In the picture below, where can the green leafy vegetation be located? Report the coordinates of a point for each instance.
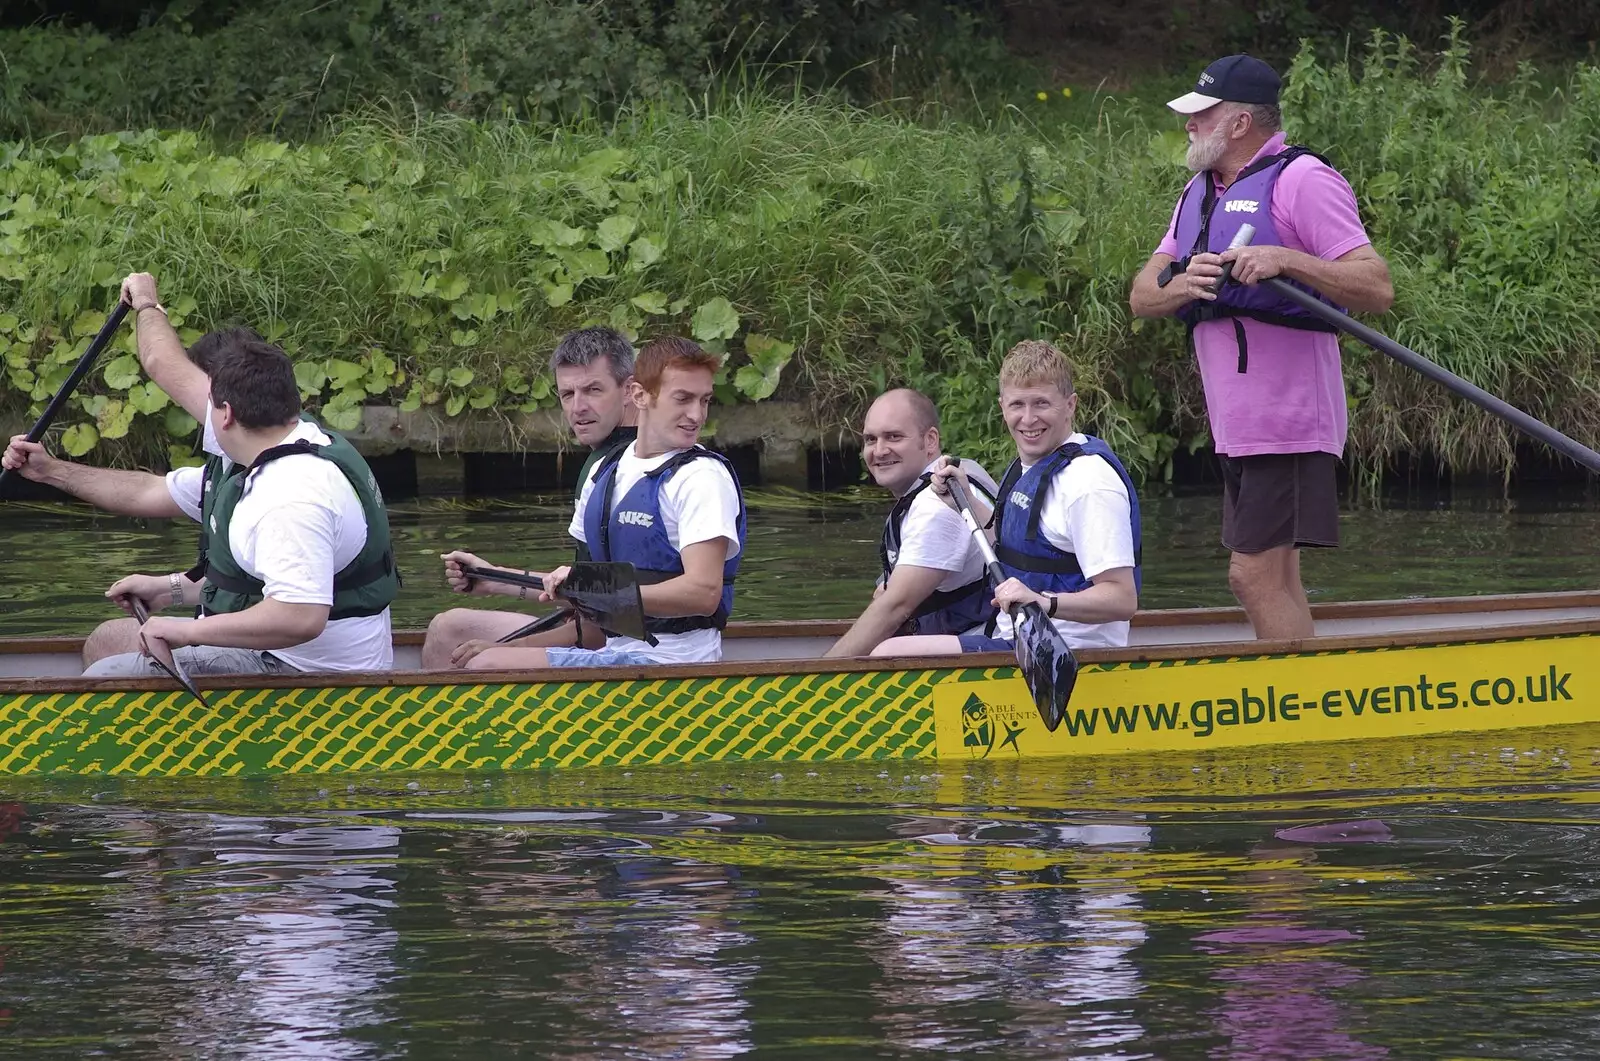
(829, 251)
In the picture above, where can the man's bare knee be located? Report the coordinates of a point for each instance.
(445, 634)
(454, 628)
(1253, 574)
(111, 638)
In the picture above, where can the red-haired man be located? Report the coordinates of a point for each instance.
(669, 506)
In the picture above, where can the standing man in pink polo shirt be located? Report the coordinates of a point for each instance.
(1273, 383)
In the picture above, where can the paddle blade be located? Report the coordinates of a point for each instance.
(1048, 665)
(163, 656)
(607, 594)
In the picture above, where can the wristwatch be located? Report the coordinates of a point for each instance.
(150, 305)
(175, 580)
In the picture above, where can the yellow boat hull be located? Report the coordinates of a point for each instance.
(797, 711)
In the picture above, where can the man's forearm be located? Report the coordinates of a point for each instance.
(681, 596)
(1148, 299)
(166, 362)
(123, 492)
(882, 619)
(1104, 602)
(265, 626)
(1360, 283)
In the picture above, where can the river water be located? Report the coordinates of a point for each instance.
(1423, 899)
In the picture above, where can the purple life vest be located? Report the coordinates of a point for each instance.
(1209, 221)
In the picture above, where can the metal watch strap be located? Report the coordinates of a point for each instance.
(175, 580)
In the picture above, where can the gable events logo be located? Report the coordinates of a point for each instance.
(986, 727)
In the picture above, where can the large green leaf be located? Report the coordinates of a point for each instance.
(643, 253)
(79, 439)
(122, 372)
(310, 377)
(147, 398)
(652, 302)
(179, 423)
(451, 286)
(551, 233)
(716, 319)
(613, 233)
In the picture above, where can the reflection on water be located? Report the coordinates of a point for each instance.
(814, 556)
(1433, 898)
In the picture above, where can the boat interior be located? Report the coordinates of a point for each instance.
(1170, 634)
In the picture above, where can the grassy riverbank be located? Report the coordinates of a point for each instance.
(433, 261)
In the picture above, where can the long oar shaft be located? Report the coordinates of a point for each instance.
(80, 370)
(991, 562)
(1439, 374)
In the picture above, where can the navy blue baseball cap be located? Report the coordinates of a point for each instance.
(1232, 79)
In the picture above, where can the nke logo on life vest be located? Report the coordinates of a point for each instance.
(1019, 499)
(1241, 206)
(978, 723)
(636, 518)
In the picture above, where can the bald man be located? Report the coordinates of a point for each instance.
(933, 578)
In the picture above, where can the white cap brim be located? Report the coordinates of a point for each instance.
(1193, 103)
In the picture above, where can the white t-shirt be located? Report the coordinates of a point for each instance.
(1086, 513)
(699, 503)
(933, 535)
(299, 524)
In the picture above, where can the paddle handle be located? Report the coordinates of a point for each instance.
(1241, 238)
(495, 574)
(80, 370)
(1569, 447)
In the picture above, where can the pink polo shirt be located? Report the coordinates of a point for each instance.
(1291, 399)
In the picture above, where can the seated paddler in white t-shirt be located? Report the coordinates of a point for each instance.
(1066, 526)
(669, 506)
(932, 579)
(299, 570)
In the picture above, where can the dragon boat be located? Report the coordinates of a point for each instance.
(1190, 680)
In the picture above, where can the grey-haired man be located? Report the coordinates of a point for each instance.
(592, 367)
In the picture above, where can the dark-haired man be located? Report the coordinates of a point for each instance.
(592, 369)
(667, 505)
(1273, 382)
(299, 573)
(933, 579)
(185, 376)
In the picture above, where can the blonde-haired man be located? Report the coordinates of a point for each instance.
(1067, 527)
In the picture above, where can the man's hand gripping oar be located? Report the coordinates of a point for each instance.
(606, 594)
(1046, 660)
(158, 650)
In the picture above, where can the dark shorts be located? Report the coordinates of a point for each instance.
(1276, 499)
(980, 643)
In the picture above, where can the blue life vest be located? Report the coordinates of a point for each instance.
(1208, 222)
(633, 530)
(952, 611)
(1023, 552)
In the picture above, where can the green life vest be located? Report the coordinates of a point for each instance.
(216, 469)
(366, 586)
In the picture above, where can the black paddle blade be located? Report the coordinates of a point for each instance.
(166, 660)
(607, 594)
(1047, 662)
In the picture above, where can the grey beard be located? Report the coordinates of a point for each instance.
(1205, 154)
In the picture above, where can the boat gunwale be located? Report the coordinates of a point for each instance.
(1166, 617)
(1195, 652)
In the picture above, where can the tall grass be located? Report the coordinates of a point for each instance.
(433, 261)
